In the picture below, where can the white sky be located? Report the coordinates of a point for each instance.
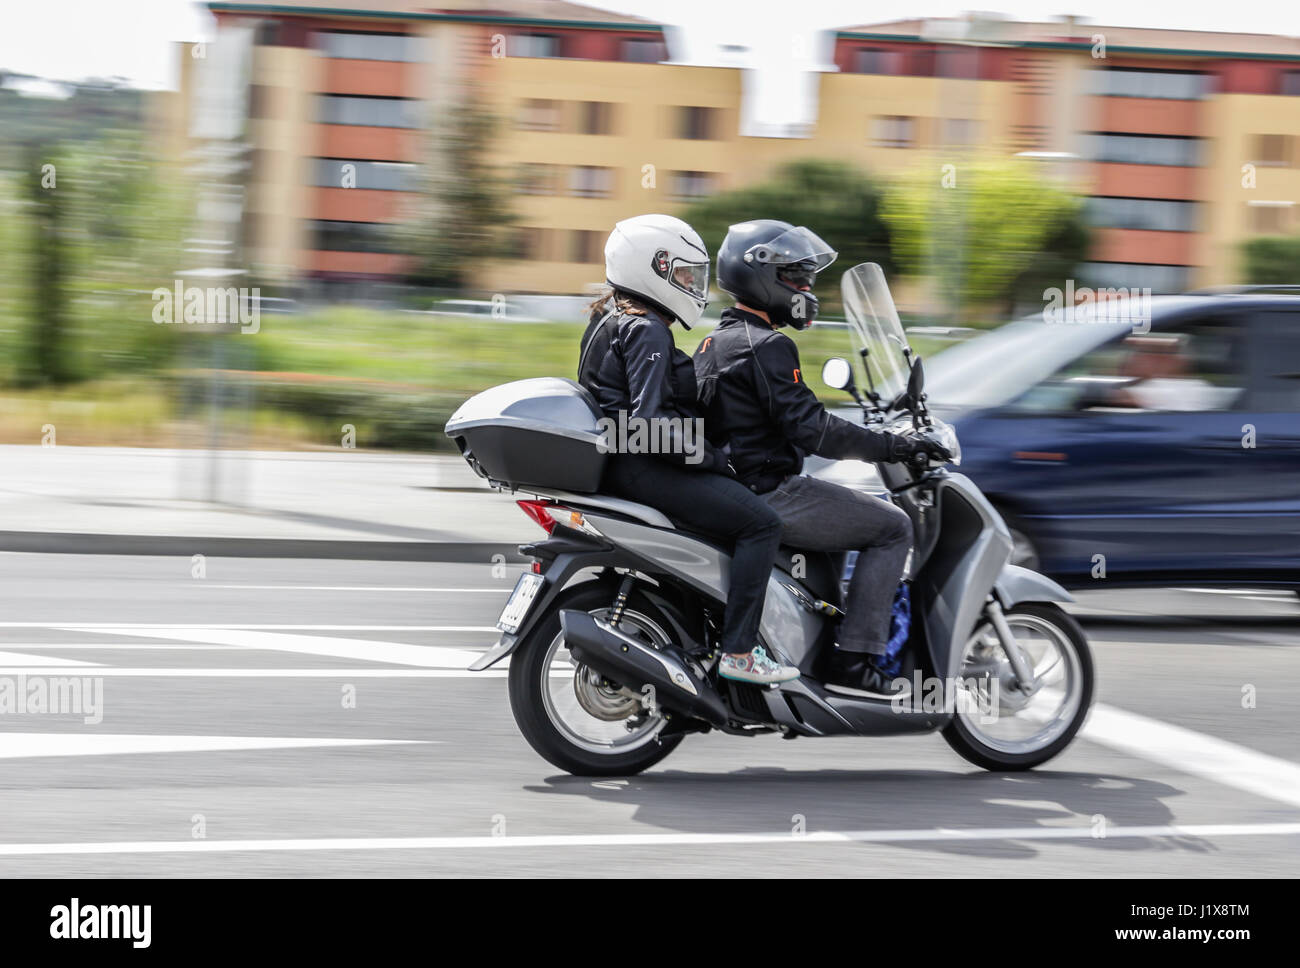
(73, 39)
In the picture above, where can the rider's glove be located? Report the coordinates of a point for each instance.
(921, 442)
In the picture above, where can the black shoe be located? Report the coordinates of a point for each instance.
(856, 674)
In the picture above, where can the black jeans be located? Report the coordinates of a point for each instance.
(716, 505)
(821, 516)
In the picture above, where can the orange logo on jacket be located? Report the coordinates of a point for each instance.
(705, 345)
(796, 376)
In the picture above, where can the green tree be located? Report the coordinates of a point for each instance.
(837, 201)
(46, 357)
(462, 216)
(974, 230)
(1272, 260)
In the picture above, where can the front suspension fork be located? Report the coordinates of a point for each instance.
(1024, 674)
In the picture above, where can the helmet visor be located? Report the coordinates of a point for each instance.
(691, 277)
(794, 245)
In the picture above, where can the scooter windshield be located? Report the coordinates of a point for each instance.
(877, 329)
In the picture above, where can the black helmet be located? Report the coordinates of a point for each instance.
(764, 263)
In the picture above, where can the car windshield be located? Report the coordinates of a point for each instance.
(992, 369)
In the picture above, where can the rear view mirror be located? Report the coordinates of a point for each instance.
(837, 374)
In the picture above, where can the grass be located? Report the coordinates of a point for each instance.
(395, 376)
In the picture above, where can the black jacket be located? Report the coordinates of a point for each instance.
(758, 405)
(631, 365)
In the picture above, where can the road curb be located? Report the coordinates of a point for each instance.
(132, 544)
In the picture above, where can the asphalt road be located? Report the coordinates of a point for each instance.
(302, 718)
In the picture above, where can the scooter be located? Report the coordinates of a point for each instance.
(613, 632)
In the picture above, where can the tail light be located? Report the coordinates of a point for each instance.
(548, 515)
(537, 510)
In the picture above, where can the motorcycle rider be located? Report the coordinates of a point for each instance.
(658, 270)
(757, 403)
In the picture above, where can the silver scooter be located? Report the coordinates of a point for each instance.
(613, 633)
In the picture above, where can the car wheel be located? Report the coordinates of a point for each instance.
(1023, 550)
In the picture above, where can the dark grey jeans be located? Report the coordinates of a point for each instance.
(820, 516)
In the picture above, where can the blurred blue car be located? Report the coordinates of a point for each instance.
(1168, 454)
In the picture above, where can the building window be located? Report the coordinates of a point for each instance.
(1132, 275)
(697, 123)
(893, 132)
(376, 112)
(1131, 149)
(1149, 214)
(876, 60)
(1270, 218)
(538, 179)
(1273, 150)
(336, 236)
(1166, 85)
(585, 246)
(595, 117)
(365, 46)
(539, 114)
(589, 181)
(688, 185)
(534, 45)
(532, 244)
(642, 50)
(261, 98)
(384, 176)
(1291, 83)
(959, 131)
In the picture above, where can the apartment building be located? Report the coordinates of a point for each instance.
(1185, 143)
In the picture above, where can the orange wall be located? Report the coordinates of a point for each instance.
(376, 78)
(1143, 115)
(365, 143)
(357, 204)
(1146, 181)
(360, 263)
(1140, 245)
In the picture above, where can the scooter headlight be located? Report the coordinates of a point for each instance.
(947, 435)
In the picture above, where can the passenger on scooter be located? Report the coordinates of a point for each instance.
(759, 406)
(658, 269)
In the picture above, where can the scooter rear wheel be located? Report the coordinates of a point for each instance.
(557, 722)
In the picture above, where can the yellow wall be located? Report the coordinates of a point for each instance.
(1234, 120)
(643, 134)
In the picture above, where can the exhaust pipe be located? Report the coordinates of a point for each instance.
(632, 663)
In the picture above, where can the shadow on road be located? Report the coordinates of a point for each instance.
(770, 799)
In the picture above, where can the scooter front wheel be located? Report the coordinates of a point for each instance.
(998, 726)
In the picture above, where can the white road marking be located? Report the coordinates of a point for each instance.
(366, 650)
(353, 588)
(123, 646)
(1252, 594)
(239, 672)
(25, 745)
(782, 838)
(110, 626)
(1195, 753)
(19, 659)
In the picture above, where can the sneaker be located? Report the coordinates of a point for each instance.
(755, 666)
(855, 674)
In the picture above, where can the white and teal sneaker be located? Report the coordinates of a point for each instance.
(755, 666)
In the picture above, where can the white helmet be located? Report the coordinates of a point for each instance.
(662, 260)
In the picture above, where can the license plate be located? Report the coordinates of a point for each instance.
(521, 600)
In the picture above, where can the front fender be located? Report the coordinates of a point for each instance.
(1016, 584)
